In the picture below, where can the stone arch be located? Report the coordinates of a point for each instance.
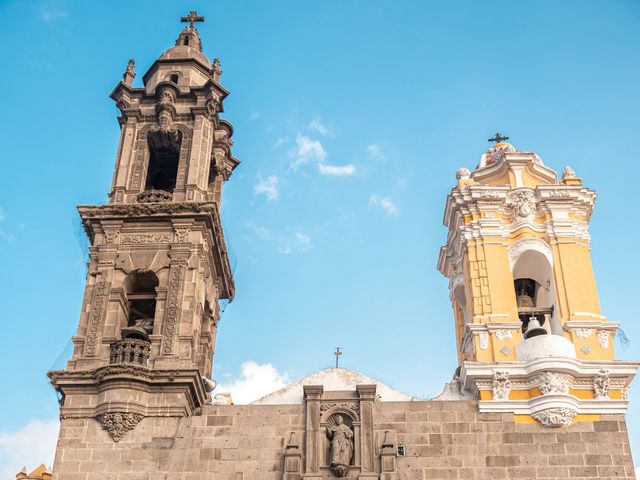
(141, 162)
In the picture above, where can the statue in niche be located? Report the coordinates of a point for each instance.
(165, 136)
(341, 447)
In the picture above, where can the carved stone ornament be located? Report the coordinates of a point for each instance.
(523, 203)
(154, 196)
(603, 338)
(462, 173)
(138, 238)
(484, 340)
(553, 383)
(502, 334)
(182, 234)
(505, 350)
(97, 310)
(586, 349)
(555, 417)
(501, 385)
(351, 406)
(601, 385)
(568, 173)
(584, 332)
(172, 310)
(119, 423)
(111, 236)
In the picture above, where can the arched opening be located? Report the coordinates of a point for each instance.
(164, 156)
(186, 41)
(535, 291)
(140, 288)
(174, 78)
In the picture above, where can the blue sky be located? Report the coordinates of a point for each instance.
(351, 118)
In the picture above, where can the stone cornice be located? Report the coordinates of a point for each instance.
(93, 216)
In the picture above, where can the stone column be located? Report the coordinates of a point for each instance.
(312, 396)
(367, 395)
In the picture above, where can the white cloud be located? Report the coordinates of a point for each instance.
(255, 381)
(254, 116)
(337, 171)
(374, 151)
(317, 125)
(268, 187)
(32, 445)
(279, 142)
(307, 150)
(291, 241)
(386, 203)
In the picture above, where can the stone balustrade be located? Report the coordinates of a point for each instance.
(130, 350)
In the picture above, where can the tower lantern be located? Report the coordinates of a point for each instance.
(158, 260)
(531, 338)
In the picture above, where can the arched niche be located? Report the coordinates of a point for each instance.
(532, 268)
(140, 288)
(140, 170)
(351, 418)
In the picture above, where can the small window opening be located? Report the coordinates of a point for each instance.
(164, 156)
(186, 41)
(174, 78)
(141, 303)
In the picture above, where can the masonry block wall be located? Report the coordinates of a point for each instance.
(443, 439)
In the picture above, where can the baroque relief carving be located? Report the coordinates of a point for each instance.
(111, 236)
(351, 406)
(97, 310)
(172, 309)
(525, 244)
(137, 238)
(584, 332)
(555, 417)
(182, 234)
(601, 385)
(523, 203)
(502, 334)
(551, 383)
(603, 338)
(119, 423)
(501, 385)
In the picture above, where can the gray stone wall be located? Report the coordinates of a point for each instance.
(444, 440)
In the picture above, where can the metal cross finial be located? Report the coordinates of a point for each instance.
(498, 138)
(337, 353)
(192, 18)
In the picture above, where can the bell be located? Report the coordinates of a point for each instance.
(135, 332)
(534, 329)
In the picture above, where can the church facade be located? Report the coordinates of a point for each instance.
(538, 392)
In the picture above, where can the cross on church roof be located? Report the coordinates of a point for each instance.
(192, 18)
(337, 353)
(498, 138)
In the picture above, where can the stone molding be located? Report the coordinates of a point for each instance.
(555, 377)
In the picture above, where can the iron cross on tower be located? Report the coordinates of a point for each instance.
(192, 18)
(337, 353)
(497, 139)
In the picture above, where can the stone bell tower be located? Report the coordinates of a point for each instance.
(158, 261)
(530, 334)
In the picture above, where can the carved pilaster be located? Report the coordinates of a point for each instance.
(312, 395)
(367, 394)
(97, 313)
(172, 314)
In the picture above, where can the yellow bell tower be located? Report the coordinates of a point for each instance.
(531, 337)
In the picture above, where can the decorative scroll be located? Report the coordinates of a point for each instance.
(502, 334)
(603, 338)
(484, 340)
(172, 310)
(584, 332)
(351, 406)
(97, 310)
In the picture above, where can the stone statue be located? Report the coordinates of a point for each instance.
(341, 449)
